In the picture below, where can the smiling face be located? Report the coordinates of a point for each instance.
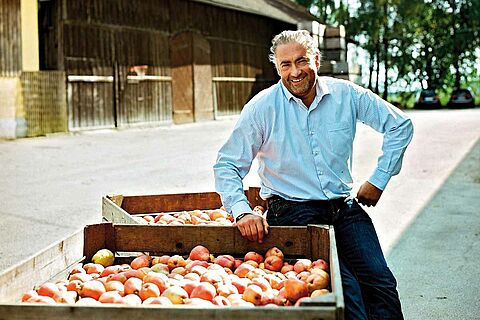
(297, 70)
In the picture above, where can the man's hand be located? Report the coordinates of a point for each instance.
(368, 194)
(253, 227)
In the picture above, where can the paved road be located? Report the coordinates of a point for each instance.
(51, 186)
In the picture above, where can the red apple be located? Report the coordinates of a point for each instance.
(199, 253)
(302, 265)
(273, 263)
(252, 255)
(204, 290)
(274, 251)
(295, 289)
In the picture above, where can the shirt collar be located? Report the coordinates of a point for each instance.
(321, 89)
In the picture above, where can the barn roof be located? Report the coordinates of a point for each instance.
(283, 10)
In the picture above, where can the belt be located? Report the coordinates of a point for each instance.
(335, 204)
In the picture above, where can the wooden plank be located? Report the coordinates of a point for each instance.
(293, 241)
(67, 312)
(319, 242)
(41, 267)
(112, 212)
(98, 236)
(171, 202)
(335, 276)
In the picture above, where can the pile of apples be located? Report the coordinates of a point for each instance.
(199, 280)
(218, 217)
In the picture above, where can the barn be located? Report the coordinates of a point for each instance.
(69, 65)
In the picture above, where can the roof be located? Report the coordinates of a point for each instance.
(283, 10)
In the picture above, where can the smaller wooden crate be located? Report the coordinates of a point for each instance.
(127, 209)
(55, 262)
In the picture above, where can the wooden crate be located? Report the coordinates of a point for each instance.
(125, 209)
(314, 241)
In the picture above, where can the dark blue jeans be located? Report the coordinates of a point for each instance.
(368, 284)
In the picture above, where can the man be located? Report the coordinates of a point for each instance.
(301, 130)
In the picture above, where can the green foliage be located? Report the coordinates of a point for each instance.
(431, 42)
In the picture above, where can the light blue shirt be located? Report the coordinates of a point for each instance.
(305, 153)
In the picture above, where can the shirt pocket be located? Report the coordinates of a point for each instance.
(340, 138)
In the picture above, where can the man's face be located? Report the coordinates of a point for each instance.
(297, 70)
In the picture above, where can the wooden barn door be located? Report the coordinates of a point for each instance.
(145, 97)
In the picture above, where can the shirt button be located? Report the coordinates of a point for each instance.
(320, 173)
(311, 133)
(315, 152)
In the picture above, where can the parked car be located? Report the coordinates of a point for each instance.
(427, 99)
(461, 98)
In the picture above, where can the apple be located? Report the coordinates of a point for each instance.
(162, 259)
(319, 292)
(176, 294)
(262, 283)
(158, 300)
(320, 263)
(253, 294)
(199, 253)
(132, 300)
(192, 276)
(226, 289)
(133, 285)
(274, 251)
(302, 265)
(221, 301)
(141, 261)
(115, 286)
(111, 297)
(243, 269)
(286, 267)
(317, 282)
(226, 261)
(273, 263)
(83, 277)
(117, 277)
(199, 270)
(212, 277)
(254, 256)
(204, 290)
(149, 290)
(29, 294)
(241, 284)
(92, 289)
(295, 289)
(299, 301)
(176, 261)
(193, 263)
(303, 275)
(48, 289)
(160, 268)
(93, 268)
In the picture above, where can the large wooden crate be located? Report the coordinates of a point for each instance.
(127, 209)
(315, 241)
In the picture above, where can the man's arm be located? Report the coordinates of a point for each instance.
(233, 163)
(397, 132)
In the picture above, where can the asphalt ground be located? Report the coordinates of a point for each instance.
(427, 219)
(437, 258)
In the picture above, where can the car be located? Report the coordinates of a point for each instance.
(461, 98)
(427, 99)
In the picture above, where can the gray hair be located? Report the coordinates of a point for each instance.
(302, 37)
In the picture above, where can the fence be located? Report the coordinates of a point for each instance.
(44, 102)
